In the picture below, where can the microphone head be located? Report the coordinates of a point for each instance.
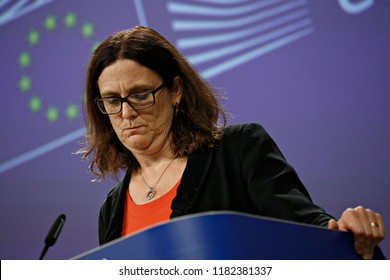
(55, 230)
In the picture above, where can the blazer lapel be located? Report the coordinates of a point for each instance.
(192, 181)
(114, 229)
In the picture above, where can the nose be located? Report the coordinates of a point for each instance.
(128, 111)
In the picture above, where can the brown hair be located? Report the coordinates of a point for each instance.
(195, 126)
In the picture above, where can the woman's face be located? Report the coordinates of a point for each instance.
(147, 131)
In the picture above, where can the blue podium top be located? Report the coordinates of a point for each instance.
(230, 235)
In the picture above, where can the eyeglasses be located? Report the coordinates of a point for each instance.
(137, 101)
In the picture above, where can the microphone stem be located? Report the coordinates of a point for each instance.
(44, 251)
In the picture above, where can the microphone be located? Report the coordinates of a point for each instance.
(53, 234)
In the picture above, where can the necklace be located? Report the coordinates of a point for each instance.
(151, 190)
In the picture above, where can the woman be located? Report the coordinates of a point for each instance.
(151, 114)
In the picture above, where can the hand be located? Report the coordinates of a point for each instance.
(366, 226)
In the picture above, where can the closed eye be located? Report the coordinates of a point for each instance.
(112, 100)
(139, 96)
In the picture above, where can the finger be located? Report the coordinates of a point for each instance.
(377, 229)
(367, 218)
(375, 224)
(350, 220)
(332, 224)
(360, 228)
(381, 227)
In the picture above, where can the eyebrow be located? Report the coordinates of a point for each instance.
(135, 89)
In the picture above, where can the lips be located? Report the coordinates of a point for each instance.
(131, 129)
(130, 126)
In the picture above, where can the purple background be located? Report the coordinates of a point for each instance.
(324, 98)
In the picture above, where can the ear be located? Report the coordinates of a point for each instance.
(177, 90)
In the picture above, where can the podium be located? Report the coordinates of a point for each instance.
(230, 236)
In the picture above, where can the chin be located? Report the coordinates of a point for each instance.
(136, 145)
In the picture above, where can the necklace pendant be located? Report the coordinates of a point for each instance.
(150, 194)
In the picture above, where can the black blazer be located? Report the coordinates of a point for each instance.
(244, 172)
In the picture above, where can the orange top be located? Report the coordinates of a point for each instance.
(137, 216)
